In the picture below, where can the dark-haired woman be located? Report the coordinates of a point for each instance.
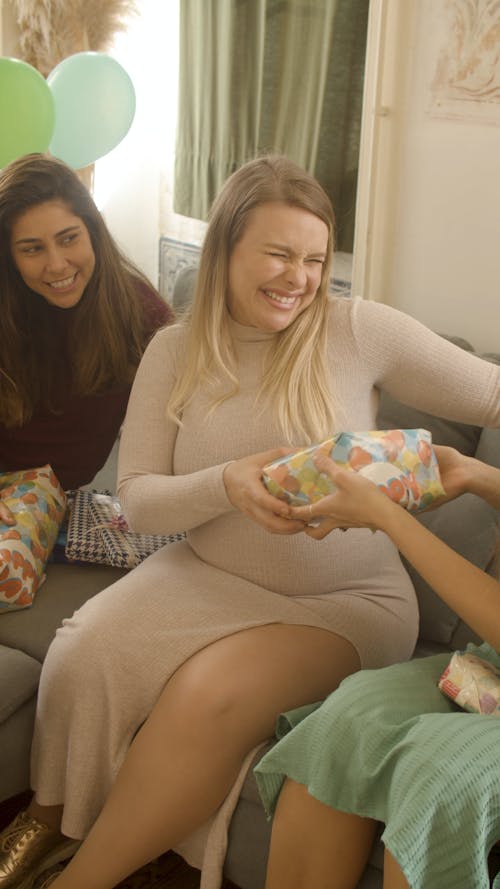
(76, 317)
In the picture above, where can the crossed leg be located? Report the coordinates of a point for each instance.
(217, 706)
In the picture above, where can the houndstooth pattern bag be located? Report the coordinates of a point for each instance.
(98, 533)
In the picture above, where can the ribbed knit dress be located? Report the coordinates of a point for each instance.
(389, 745)
(109, 663)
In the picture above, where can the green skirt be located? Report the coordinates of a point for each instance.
(389, 745)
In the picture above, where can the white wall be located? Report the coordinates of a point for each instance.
(432, 244)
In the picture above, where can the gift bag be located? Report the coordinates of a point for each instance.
(473, 683)
(98, 533)
(38, 504)
(400, 461)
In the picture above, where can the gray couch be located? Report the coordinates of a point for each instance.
(467, 523)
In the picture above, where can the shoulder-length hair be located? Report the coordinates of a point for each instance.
(107, 333)
(295, 381)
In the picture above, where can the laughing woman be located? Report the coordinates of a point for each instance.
(154, 694)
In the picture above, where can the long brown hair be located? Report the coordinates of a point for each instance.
(296, 379)
(107, 333)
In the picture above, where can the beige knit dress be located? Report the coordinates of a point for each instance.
(109, 663)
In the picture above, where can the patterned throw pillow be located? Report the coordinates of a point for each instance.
(38, 503)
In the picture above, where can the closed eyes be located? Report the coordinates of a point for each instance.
(313, 259)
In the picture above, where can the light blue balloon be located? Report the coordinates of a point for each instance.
(26, 110)
(94, 100)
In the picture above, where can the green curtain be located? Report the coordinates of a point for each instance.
(270, 75)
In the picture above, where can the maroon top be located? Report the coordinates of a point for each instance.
(77, 440)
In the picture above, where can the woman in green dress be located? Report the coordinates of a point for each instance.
(388, 746)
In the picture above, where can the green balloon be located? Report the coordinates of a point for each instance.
(26, 110)
(94, 100)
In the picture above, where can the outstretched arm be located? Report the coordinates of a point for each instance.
(357, 502)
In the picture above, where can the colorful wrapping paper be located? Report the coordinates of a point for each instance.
(38, 503)
(474, 684)
(400, 461)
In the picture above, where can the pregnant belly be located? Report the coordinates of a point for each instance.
(297, 565)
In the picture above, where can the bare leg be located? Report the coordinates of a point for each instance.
(50, 815)
(182, 763)
(315, 845)
(394, 877)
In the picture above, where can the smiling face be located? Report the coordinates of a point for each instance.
(275, 268)
(52, 251)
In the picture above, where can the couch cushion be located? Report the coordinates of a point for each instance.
(393, 414)
(184, 287)
(467, 524)
(19, 675)
(67, 588)
(488, 449)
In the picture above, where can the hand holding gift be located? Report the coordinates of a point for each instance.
(242, 480)
(332, 479)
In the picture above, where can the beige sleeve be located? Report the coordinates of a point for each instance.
(422, 369)
(153, 499)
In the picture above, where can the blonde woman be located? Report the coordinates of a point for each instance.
(155, 693)
(387, 746)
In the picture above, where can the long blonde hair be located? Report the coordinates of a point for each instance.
(296, 379)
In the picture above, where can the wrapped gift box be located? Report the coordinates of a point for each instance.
(473, 683)
(400, 461)
(98, 533)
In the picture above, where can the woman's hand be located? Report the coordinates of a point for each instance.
(357, 502)
(454, 469)
(246, 492)
(457, 473)
(461, 475)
